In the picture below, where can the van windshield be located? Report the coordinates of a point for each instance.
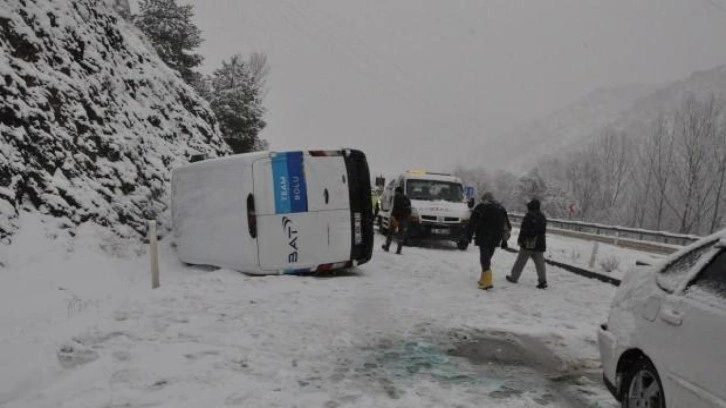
(433, 190)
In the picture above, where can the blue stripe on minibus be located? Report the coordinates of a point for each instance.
(298, 186)
(289, 183)
(281, 183)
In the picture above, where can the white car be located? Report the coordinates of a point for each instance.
(664, 344)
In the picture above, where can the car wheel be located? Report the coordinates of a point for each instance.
(643, 388)
(462, 245)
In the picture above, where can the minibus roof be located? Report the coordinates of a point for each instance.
(427, 175)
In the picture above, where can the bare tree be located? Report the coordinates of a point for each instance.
(259, 70)
(584, 178)
(614, 160)
(659, 148)
(695, 126)
(718, 156)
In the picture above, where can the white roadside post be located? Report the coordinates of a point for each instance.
(154, 254)
(593, 256)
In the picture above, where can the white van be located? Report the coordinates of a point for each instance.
(274, 212)
(438, 206)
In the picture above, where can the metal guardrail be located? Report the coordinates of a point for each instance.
(578, 270)
(616, 231)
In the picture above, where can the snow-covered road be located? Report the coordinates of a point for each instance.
(409, 330)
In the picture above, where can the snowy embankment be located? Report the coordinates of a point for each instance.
(610, 260)
(81, 328)
(91, 120)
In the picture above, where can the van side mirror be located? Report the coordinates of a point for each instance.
(470, 203)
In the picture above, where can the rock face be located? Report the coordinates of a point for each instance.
(91, 120)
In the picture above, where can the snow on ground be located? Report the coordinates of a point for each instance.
(83, 329)
(610, 260)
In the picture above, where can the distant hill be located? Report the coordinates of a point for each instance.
(568, 127)
(629, 108)
(666, 99)
(91, 120)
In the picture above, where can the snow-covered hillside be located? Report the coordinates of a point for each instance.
(568, 127)
(701, 84)
(627, 108)
(91, 120)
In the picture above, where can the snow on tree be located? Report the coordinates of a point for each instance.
(237, 102)
(172, 33)
(122, 7)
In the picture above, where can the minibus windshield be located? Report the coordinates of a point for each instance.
(434, 190)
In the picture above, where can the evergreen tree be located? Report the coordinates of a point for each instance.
(172, 33)
(203, 85)
(237, 102)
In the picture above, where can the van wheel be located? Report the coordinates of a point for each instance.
(642, 386)
(462, 245)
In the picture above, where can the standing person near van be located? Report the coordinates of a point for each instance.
(532, 244)
(489, 221)
(400, 215)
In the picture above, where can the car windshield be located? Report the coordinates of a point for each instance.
(674, 273)
(433, 190)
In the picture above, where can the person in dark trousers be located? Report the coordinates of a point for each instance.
(532, 244)
(400, 215)
(489, 222)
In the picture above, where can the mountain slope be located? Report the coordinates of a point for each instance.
(700, 84)
(91, 120)
(568, 127)
(629, 108)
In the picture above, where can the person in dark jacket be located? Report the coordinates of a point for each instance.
(400, 214)
(532, 244)
(489, 222)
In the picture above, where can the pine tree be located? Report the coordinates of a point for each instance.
(172, 33)
(237, 102)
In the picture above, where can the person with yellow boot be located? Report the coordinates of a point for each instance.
(489, 222)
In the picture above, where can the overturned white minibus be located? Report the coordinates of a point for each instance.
(274, 212)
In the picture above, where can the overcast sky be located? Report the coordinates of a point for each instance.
(418, 83)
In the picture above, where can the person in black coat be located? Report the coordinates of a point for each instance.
(400, 215)
(490, 223)
(532, 244)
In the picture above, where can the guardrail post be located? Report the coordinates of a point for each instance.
(593, 256)
(154, 255)
(617, 238)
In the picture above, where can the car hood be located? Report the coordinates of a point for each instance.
(636, 288)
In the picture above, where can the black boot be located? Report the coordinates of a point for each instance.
(385, 247)
(542, 285)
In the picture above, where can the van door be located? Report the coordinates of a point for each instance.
(302, 221)
(327, 183)
(328, 195)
